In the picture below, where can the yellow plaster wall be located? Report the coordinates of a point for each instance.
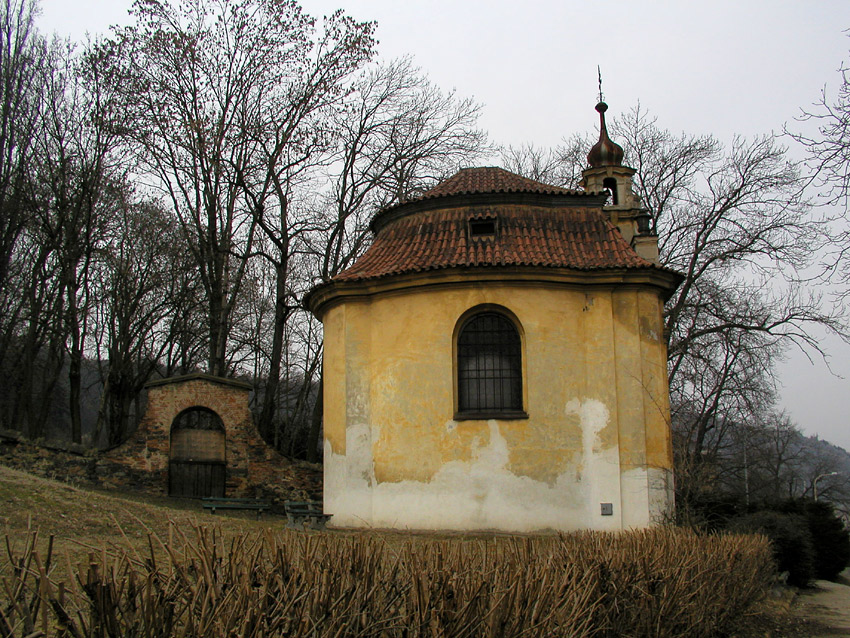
(591, 356)
(333, 375)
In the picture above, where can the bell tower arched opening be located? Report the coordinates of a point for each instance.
(610, 184)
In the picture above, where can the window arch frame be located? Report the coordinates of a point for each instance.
(216, 420)
(495, 412)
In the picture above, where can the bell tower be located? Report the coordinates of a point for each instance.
(606, 172)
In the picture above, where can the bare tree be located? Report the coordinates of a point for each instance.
(829, 147)
(22, 52)
(79, 188)
(823, 131)
(215, 95)
(140, 293)
(418, 134)
(398, 135)
(293, 136)
(736, 223)
(34, 357)
(63, 200)
(560, 166)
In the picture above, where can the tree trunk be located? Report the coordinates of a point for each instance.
(75, 362)
(270, 397)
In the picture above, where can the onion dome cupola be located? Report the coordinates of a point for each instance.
(606, 172)
(604, 152)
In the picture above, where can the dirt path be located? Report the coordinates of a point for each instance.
(824, 610)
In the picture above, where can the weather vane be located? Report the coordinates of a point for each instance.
(599, 72)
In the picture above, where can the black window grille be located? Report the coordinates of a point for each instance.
(489, 365)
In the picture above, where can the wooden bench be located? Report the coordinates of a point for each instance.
(213, 503)
(305, 514)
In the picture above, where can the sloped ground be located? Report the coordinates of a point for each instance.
(85, 520)
(820, 611)
(296, 480)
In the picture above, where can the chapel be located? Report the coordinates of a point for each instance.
(496, 359)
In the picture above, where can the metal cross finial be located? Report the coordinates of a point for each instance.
(599, 72)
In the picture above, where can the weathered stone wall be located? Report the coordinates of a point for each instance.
(254, 469)
(296, 480)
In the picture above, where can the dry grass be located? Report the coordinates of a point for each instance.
(83, 519)
(250, 579)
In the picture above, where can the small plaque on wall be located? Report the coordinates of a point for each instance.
(607, 509)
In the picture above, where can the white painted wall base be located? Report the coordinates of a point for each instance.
(483, 494)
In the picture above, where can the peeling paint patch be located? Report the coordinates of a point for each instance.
(481, 493)
(358, 444)
(593, 416)
(661, 494)
(599, 472)
(649, 330)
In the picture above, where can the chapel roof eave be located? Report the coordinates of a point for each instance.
(527, 229)
(575, 237)
(325, 295)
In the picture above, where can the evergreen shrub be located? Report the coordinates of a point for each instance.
(791, 540)
(830, 539)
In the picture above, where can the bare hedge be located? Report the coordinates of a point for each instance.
(660, 582)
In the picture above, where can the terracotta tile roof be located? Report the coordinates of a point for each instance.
(572, 237)
(486, 183)
(490, 179)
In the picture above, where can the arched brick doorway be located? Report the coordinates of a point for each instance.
(197, 464)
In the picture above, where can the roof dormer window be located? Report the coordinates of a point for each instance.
(482, 228)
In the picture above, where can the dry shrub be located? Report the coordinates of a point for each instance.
(660, 582)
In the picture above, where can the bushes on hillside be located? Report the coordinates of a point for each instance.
(830, 539)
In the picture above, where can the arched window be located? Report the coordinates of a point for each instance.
(489, 367)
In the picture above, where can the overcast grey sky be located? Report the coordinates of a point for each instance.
(726, 67)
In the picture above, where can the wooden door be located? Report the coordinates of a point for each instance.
(196, 479)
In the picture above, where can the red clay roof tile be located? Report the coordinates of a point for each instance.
(565, 237)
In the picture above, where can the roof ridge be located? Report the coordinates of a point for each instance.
(491, 179)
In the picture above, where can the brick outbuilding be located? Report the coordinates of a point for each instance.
(197, 438)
